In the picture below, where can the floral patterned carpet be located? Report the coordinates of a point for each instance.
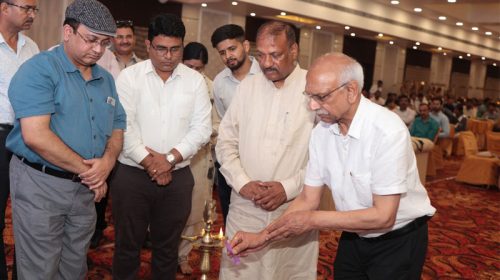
(464, 236)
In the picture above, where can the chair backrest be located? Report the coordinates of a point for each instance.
(452, 131)
(493, 142)
(470, 142)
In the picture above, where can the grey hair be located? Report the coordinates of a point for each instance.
(352, 71)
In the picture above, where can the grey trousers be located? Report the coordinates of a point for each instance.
(53, 222)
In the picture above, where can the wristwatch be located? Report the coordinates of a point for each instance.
(171, 159)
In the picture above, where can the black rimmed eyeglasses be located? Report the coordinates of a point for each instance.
(321, 98)
(94, 42)
(27, 9)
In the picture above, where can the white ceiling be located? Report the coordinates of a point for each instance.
(484, 14)
(368, 18)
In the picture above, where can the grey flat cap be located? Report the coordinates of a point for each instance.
(94, 15)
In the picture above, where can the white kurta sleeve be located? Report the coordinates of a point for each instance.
(227, 148)
(293, 185)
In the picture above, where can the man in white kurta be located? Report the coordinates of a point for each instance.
(262, 148)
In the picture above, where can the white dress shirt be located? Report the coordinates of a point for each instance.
(10, 61)
(407, 115)
(375, 157)
(225, 87)
(163, 115)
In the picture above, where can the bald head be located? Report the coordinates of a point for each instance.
(336, 68)
(332, 70)
(333, 83)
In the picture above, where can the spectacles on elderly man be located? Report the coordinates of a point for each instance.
(27, 9)
(94, 42)
(321, 98)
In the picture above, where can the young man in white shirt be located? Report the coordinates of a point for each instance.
(403, 111)
(168, 111)
(363, 153)
(233, 49)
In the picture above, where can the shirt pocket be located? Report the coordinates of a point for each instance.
(361, 183)
(184, 108)
(108, 116)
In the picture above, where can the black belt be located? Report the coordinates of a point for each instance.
(51, 171)
(5, 126)
(412, 226)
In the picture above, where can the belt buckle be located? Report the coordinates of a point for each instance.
(76, 178)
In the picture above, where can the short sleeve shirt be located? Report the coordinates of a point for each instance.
(83, 113)
(375, 158)
(10, 61)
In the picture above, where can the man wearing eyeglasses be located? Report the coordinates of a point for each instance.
(67, 135)
(262, 149)
(169, 120)
(15, 49)
(363, 153)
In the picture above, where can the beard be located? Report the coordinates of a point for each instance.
(238, 64)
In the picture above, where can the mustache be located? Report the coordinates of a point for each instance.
(321, 112)
(270, 69)
(125, 44)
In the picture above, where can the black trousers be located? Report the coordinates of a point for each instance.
(400, 257)
(5, 156)
(224, 191)
(139, 202)
(101, 206)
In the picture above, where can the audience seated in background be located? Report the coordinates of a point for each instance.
(424, 126)
(404, 112)
(470, 109)
(440, 117)
(481, 107)
(491, 113)
(419, 100)
(376, 87)
(377, 98)
(461, 124)
(391, 102)
(449, 103)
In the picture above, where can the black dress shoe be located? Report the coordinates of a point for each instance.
(96, 239)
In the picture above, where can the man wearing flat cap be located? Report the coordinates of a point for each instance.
(67, 134)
